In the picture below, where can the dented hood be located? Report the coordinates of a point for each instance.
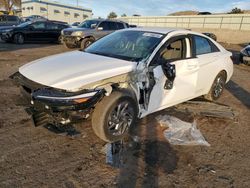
(73, 70)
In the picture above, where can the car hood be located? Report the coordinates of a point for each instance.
(72, 29)
(73, 70)
(6, 27)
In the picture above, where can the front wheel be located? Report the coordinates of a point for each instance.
(217, 87)
(86, 42)
(18, 38)
(113, 116)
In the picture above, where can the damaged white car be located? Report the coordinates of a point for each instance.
(124, 76)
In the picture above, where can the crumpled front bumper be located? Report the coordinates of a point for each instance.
(72, 40)
(45, 111)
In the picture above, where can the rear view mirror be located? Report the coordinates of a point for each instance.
(170, 73)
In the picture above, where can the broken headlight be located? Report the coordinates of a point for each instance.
(56, 97)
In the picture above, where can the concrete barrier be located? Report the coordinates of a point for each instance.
(230, 28)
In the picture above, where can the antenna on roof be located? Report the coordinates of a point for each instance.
(77, 3)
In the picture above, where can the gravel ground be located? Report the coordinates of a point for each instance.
(38, 157)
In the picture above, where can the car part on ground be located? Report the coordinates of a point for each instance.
(245, 55)
(211, 35)
(39, 31)
(89, 31)
(126, 75)
(206, 108)
(180, 132)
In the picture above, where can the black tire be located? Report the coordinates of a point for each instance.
(69, 46)
(60, 40)
(217, 87)
(105, 122)
(19, 38)
(86, 42)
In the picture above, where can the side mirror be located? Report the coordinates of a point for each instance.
(170, 73)
(100, 28)
(92, 26)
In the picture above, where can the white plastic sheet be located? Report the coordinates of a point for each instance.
(180, 132)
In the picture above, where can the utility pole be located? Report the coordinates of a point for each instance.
(77, 3)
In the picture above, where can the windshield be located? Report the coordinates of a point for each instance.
(127, 45)
(89, 24)
(24, 24)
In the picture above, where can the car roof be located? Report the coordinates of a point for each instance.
(162, 30)
(110, 20)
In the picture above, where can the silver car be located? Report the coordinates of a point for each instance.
(89, 31)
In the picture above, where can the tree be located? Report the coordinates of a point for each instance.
(112, 15)
(136, 15)
(9, 4)
(124, 15)
(236, 11)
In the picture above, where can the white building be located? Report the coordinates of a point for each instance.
(55, 11)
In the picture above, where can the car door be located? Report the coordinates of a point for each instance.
(52, 31)
(36, 31)
(176, 51)
(208, 56)
(103, 29)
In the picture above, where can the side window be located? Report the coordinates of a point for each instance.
(112, 26)
(104, 25)
(52, 26)
(12, 18)
(38, 25)
(174, 50)
(119, 25)
(204, 46)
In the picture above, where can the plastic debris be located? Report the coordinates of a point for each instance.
(180, 132)
(114, 154)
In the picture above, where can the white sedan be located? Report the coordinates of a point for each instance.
(124, 76)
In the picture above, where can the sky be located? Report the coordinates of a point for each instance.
(101, 8)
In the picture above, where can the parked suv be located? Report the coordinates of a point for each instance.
(7, 20)
(89, 31)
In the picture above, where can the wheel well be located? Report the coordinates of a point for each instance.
(17, 34)
(224, 72)
(88, 37)
(128, 90)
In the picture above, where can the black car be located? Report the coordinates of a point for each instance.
(9, 20)
(34, 31)
(211, 35)
(245, 55)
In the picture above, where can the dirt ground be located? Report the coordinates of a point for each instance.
(38, 157)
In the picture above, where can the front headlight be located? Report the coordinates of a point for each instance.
(62, 98)
(77, 33)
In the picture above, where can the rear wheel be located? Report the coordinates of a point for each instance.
(86, 42)
(18, 38)
(113, 116)
(217, 87)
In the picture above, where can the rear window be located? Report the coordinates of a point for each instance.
(119, 25)
(12, 18)
(204, 46)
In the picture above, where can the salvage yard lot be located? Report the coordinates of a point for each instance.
(37, 157)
